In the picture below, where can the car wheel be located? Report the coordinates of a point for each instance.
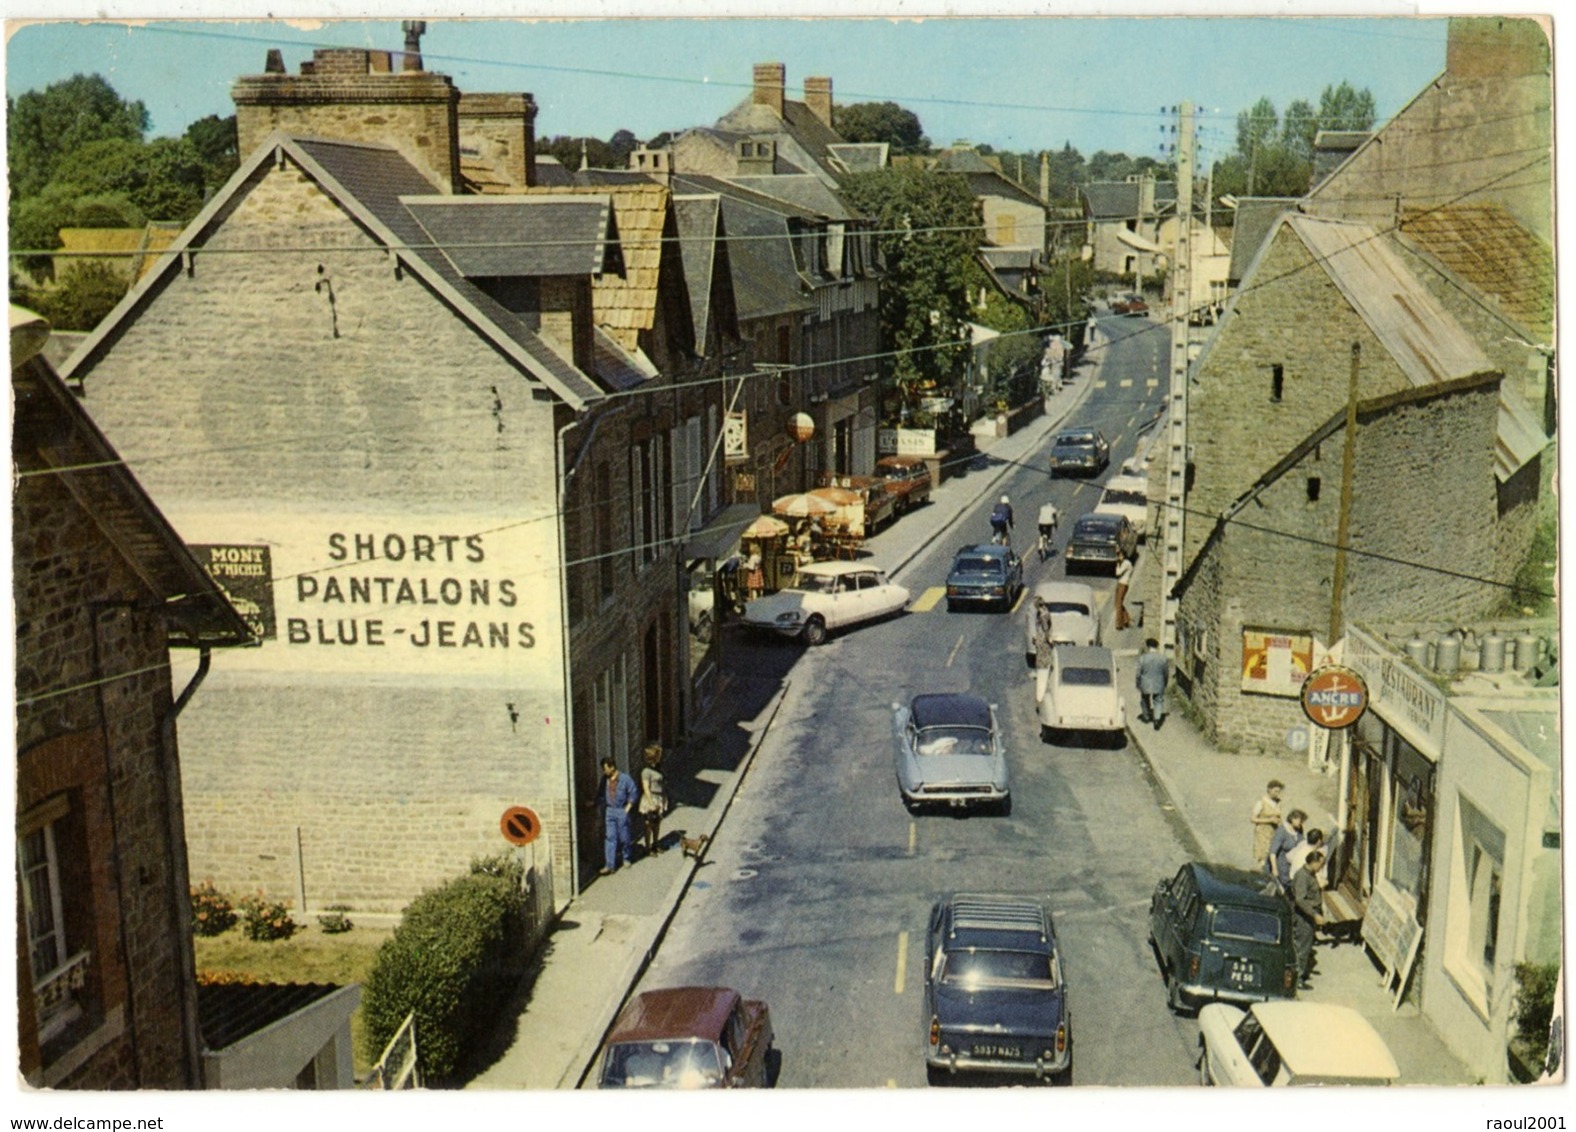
(1045, 733)
(1174, 997)
(814, 632)
(935, 1077)
(950, 606)
(1203, 1064)
(1004, 807)
(1064, 1078)
(1029, 658)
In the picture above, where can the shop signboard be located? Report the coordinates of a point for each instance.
(1406, 698)
(1275, 663)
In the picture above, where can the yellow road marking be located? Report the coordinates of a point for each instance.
(902, 960)
(1098, 385)
(1023, 593)
(1153, 383)
(1125, 383)
(927, 600)
(953, 655)
(913, 836)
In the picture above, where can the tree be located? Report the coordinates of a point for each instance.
(163, 178)
(1345, 108)
(881, 122)
(218, 145)
(44, 126)
(36, 222)
(620, 146)
(931, 228)
(86, 292)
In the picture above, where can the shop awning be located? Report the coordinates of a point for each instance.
(718, 537)
(1134, 240)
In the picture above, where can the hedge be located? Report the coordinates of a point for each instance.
(458, 952)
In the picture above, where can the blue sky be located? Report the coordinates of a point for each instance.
(1022, 83)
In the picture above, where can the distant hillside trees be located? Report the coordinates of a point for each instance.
(881, 122)
(1274, 151)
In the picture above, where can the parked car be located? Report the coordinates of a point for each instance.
(1079, 452)
(1128, 496)
(689, 1038)
(1077, 691)
(1220, 932)
(984, 575)
(1129, 304)
(1098, 539)
(950, 751)
(907, 478)
(995, 998)
(1074, 620)
(1291, 1043)
(827, 596)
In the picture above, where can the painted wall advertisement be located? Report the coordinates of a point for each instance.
(1275, 663)
(478, 595)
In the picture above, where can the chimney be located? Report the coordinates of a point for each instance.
(500, 129)
(275, 64)
(771, 79)
(352, 94)
(818, 97)
(654, 163)
(755, 157)
(414, 30)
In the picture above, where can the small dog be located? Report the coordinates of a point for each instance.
(694, 846)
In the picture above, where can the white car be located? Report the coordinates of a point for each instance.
(1074, 618)
(1127, 495)
(1291, 1043)
(1077, 692)
(827, 596)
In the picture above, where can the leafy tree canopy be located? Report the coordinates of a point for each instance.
(1274, 154)
(86, 292)
(218, 145)
(164, 178)
(611, 154)
(931, 225)
(881, 122)
(44, 126)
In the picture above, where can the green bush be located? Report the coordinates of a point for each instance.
(334, 921)
(457, 953)
(264, 920)
(212, 912)
(1535, 985)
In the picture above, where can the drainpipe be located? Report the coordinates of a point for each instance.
(565, 474)
(180, 883)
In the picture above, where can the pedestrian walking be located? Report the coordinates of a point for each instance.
(1153, 672)
(1307, 901)
(1124, 578)
(617, 798)
(1266, 817)
(1288, 835)
(653, 799)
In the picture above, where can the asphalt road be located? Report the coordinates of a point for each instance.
(818, 886)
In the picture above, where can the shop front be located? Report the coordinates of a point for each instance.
(711, 571)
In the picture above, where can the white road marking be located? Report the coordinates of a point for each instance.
(902, 960)
(953, 655)
(913, 836)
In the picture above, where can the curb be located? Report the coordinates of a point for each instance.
(584, 1059)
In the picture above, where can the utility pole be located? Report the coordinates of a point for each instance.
(1176, 465)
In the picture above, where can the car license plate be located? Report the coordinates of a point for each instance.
(1244, 973)
(992, 1050)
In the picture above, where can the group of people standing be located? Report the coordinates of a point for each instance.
(619, 798)
(1294, 857)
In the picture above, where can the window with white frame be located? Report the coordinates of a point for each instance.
(1476, 885)
(58, 974)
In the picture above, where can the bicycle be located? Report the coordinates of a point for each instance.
(1047, 543)
(999, 535)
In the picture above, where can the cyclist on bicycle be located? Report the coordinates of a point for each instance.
(1001, 521)
(1048, 517)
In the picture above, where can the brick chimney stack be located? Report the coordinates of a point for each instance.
(771, 80)
(818, 97)
(500, 129)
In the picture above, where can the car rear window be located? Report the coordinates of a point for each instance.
(1246, 923)
(971, 969)
(682, 1064)
(1077, 607)
(953, 741)
(1087, 677)
(978, 566)
(1125, 498)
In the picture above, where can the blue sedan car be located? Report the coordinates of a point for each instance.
(985, 575)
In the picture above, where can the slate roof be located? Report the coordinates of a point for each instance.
(368, 181)
(1484, 245)
(487, 237)
(994, 184)
(703, 244)
(804, 191)
(1254, 220)
(228, 1012)
(550, 172)
(50, 431)
(861, 157)
(1118, 200)
(798, 121)
(766, 279)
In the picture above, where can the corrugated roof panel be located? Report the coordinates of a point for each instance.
(1426, 342)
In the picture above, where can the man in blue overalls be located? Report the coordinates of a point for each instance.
(617, 798)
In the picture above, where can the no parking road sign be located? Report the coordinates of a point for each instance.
(520, 825)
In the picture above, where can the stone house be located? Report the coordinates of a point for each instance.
(1013, 217)
(1125, 221)
(104, 591)
(458, 489)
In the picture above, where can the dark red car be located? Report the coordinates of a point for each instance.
(689, 1038)
(1129, 304)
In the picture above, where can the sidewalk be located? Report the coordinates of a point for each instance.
(604, 939)
(1214, 793)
